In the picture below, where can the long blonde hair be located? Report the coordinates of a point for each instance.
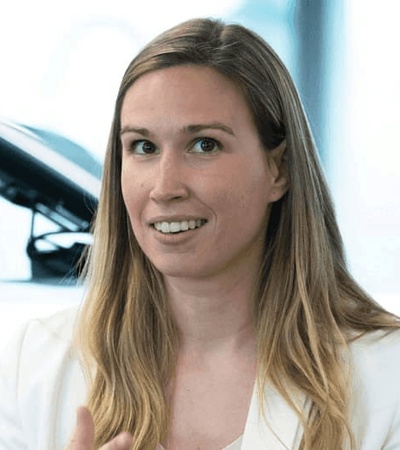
(307, 304)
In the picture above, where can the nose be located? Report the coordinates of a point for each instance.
(169, 182)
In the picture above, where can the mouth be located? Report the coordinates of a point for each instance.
(178, 227)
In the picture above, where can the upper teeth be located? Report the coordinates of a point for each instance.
(176, 227)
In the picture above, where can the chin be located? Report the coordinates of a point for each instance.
(175, 272)
(181, 269)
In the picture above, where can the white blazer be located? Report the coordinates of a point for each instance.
(42, 384)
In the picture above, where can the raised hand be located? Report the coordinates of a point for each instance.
(83, 438)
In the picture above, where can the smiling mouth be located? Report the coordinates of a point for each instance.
(178, 227)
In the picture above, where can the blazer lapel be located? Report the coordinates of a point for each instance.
(282, 431)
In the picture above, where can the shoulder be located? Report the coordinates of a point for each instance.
(57, 328)
(376, 361)
(40, 351)
(375, 389)
(42, 341)
(41, 382)
(44, 350)
(377, 354)
(37, 337)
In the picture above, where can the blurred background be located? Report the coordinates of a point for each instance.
(61, 64)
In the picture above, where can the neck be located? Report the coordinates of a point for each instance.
(213, 316)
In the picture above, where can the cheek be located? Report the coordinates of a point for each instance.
(126, 193)
(242, 200)
(236, 187)
(130, 194)
(252, 189)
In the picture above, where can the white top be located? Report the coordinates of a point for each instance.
(42, 384)
(235, 445)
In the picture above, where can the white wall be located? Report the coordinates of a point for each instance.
(364, 144)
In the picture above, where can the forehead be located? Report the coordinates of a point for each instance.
(193, 91)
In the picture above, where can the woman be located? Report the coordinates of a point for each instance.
(220, 313)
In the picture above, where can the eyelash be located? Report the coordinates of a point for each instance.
(154, 150)
(217, 145)
(133, 147)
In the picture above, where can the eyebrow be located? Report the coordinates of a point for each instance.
(209, 126)
(188, 128)
(142, 131)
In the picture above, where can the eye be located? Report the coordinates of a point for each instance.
(142, 147)
(206, 145)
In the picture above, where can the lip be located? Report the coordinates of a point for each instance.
(177, 236)
(177, 218)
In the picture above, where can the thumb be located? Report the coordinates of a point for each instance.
(123, 441)
(83, 438)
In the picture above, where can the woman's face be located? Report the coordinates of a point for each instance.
(195, 179)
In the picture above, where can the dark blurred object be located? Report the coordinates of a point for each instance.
(55, 177)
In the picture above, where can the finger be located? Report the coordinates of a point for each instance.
(123, 441)
(84, 433)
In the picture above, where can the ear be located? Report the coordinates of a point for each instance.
(277, 163)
